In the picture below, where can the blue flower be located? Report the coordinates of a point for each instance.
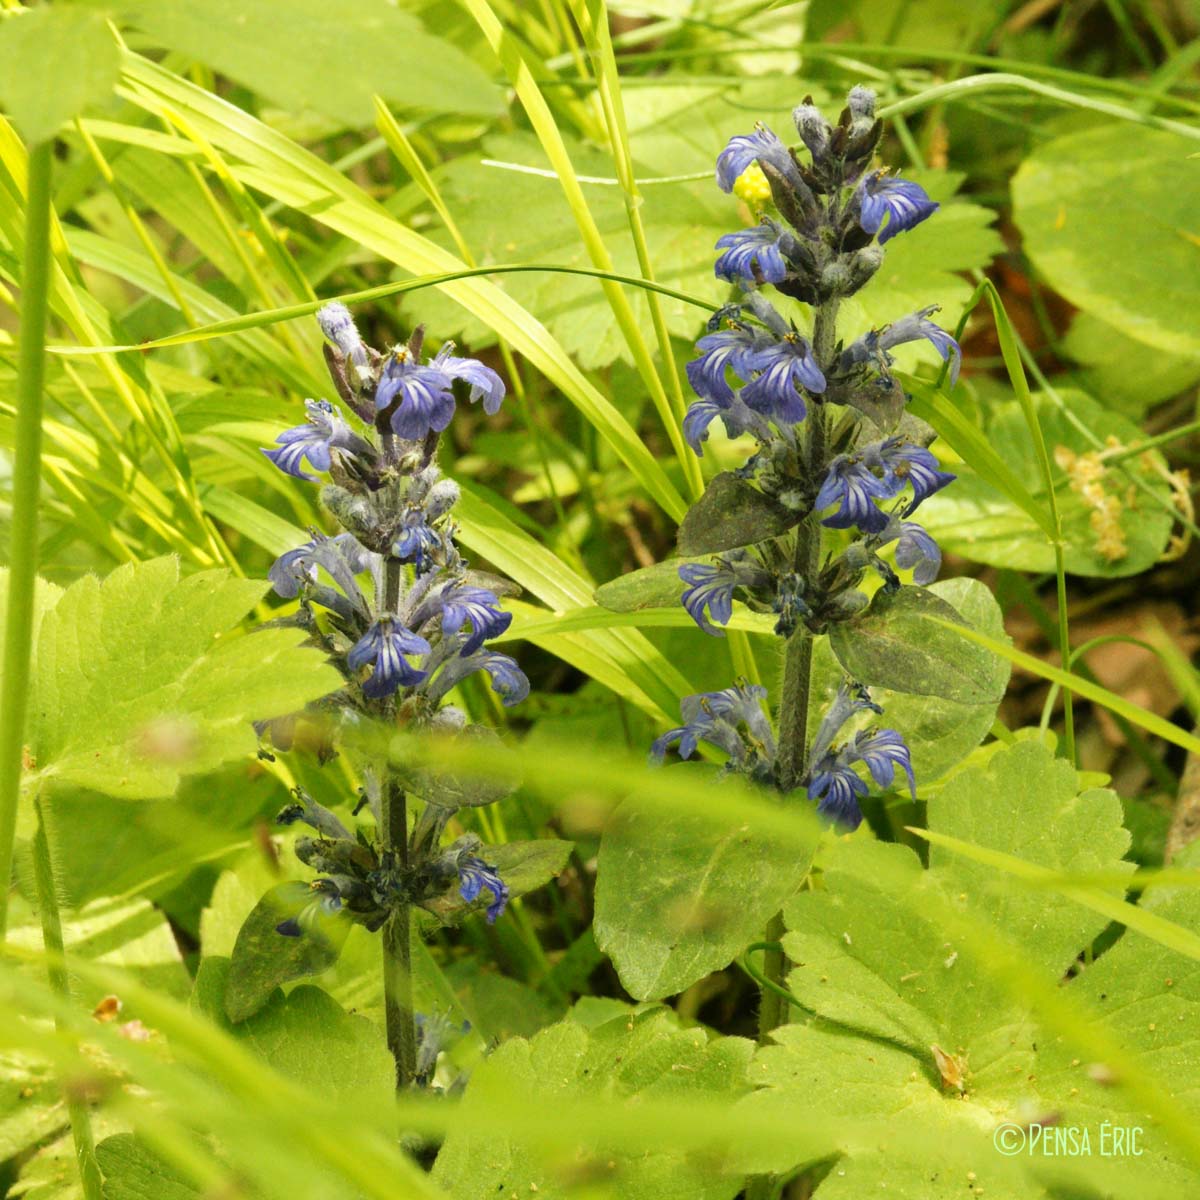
(916, 326)
(742, 150)
(831, 779)
(386, 643)
(725, 348)
(838, 788)
(341, 556)
(324, 431)
(903, 202)
(916, 551)
(508, 680)
(474, 875)
(883, 750)
(875, 344)
(736, 418)
(484, 382)
(711, 587)
(462, 603)
(851, 698)
(716, 718)
(708, 588)
(338, 326)
(785, 365)
(854, 486)
(750, 249)
(914, 465)
(700, 415)
(426, 403)
(416, 540)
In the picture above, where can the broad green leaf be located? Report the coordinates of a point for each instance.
(1131, 376)
(141, 679)
(640, 1055)
(30, 1104)
(391, 53)
(133, 1171)
(1117, 186)
(151, 847)
(888, 976)
(732, 513)
(116, 932)
(680, 897)
(45, 597)
(901, 643)
(939, 732)
(1109, 526)
(54, 63)
(658, 586)
(308, 1037)
(263, 958)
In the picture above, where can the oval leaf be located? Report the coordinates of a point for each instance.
(264, 958)
(732, 513)
(901, 642)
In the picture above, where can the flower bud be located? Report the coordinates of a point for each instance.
(813, 129)
(863, 265)
(450, 719)
(443, 496)
(355, 514)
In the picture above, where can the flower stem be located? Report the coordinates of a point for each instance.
(56, 968)
(27, 474)
(793, 707)
(797, 663)
(397, 944)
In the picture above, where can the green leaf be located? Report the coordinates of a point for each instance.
(464, 789)
(1131, 376)
(901, 643)
(149, 846)
(680, 897)
(524, 866)
(54, 63)
(264, 958)
(975, 520)
(140, 679)
(133, 1171)
(658, 586)
(340, 56)
(732, 513)
(642, 1054)
(116, 932)
(888, 978)
(939, 732)
(1117, 186)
